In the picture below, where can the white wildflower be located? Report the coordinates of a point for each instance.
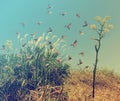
(106, 30)
(93, 26)
(110, 26)
(98, 18)
(106, 18)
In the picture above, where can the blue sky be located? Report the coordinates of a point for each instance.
(13, 12)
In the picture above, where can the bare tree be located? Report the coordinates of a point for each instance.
(101, 29)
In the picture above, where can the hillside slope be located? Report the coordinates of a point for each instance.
(79, 86)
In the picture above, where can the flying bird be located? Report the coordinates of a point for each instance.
(50, 30)
(86, 66)
(49, 6)
(80, 62)
(49, 42)
(50, 12)
(85, 24)
(63, 37)
(63, 13)
(81, 53)
(39, 23)
(17, 33)
(34, 34)
(74, 43)
(36, 39)
(81, 33)
(24, 44)
(51, 47)
(23, 24)
(69, 57)
(68, 26)
(78, 15)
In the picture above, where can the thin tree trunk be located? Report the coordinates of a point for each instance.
(95, 67)
(94, 74)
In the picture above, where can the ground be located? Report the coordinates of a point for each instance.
(79, 86)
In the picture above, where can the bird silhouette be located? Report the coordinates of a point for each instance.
(74, 43)
(63, 37)
(81, 33)
(39, 23)
(78, 15)
(80, 62)
(81, 53)
(63, 13)
(49, 6)
(23, 24)
(68, 26)
(50, 30)
(85, 24)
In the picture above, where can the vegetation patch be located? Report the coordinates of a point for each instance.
(37, 63)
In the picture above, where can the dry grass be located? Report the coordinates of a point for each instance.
(79, 86)
(46, 93)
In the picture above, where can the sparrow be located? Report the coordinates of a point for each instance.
(50, 30)
(85, 24)
(49, 6)
(68, 26)
(62, 37)
(78, 15)
(63, 13)
(81, 53)
(39, 23)
(81, 33)
(23, 24)
(80, 62)
(74, 43)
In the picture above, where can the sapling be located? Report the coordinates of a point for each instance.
(101, 29)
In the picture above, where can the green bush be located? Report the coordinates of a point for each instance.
(35, 64)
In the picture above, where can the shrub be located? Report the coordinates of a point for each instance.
(37, 63)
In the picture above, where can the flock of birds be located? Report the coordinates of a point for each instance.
(50, 30)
